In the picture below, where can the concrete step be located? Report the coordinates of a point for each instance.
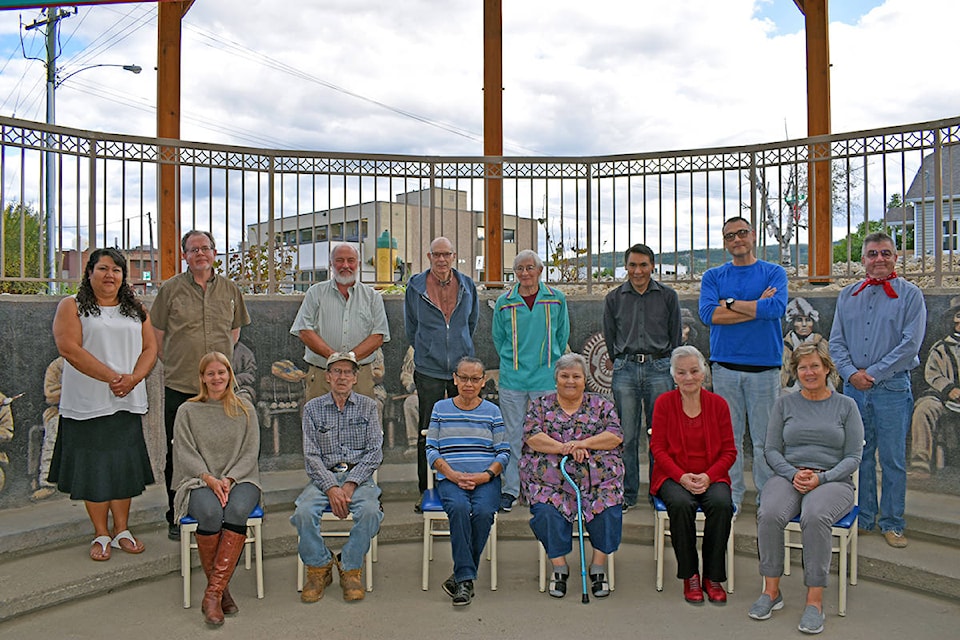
(45, 560)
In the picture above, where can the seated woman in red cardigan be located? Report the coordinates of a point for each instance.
(693, 449)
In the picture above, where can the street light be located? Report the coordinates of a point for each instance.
(51, 219)
(132, 68)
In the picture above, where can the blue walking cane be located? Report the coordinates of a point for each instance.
(583, 562)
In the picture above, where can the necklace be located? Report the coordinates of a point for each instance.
(443, 283)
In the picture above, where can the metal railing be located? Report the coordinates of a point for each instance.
(275, 213)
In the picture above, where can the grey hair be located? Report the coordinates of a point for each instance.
(686, 351)
(470, 360)
(527, 254)
(356, 251)
(570, 361)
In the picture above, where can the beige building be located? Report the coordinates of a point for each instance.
(393, 237)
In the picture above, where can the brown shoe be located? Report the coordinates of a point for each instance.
(318, 579)
(895, 539)
(350, 583)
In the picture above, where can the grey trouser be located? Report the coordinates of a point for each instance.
(818, 510)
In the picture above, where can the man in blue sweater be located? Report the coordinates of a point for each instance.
(440, 311)
(742, 302)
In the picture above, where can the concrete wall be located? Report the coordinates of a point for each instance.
(26, 348)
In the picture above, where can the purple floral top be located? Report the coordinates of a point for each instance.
(540, 477)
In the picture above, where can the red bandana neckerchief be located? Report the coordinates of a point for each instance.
(885, 282)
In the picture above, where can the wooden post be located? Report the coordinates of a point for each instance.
(820, 183)
(493, 139)
(169, 18)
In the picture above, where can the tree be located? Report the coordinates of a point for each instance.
(855, 242)
(786, 210)
(20, 219)
(250, 268)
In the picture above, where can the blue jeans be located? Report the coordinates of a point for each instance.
(471, 515)
(886, 411)
(365, 509)
(750, 397)
(513, 407)
(555, 532)
(637, 385)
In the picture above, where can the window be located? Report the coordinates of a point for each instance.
(352, 231)
(481, 233)
(336, 231)
(290, 237)
(509, 235)
(306, 236)
(320, 234)
(950, 235)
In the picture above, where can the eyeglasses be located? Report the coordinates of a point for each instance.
(740, 233)
(469, 379)
(527, 267)
(343, 373)
(873, 253)
(446, 255)
(204, 249)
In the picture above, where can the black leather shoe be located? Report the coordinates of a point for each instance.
(558, 584)
(599, 585)
(418, 508)
(173, 532)
(463, 594)
(449, 586)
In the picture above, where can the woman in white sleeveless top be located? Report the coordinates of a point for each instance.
(100, 457)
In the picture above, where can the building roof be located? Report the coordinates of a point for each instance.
(922, 186)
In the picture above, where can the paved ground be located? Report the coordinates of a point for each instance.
(397, 608)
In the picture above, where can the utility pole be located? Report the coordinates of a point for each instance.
(54, 15)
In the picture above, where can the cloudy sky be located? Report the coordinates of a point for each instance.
(615, 76)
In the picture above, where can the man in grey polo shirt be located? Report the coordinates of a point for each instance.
(341, 315)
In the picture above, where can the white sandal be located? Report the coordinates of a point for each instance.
(105, 543)
(126, 535)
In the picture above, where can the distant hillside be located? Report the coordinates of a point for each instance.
(610, 260)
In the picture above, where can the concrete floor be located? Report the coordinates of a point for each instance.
(397, 608)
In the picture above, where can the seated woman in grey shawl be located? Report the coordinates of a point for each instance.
(216, 443)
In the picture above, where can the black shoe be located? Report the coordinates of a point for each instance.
(418, 507)
(173, 532)
(599, 585)
(463, 594)
(506, 502)
(449, 586)
(558, 584)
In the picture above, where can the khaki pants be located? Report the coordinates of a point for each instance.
(317, 382)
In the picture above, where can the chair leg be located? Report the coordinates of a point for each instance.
(786, 552)
(611, 572)
(854, 543)
(368, 560)
(730, 552)
(842, 578)
(185, 564)
(427, 535)
(542, 553)
(661, 526)
(492, 549)
(258, 556)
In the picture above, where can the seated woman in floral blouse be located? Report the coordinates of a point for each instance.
(585, 427)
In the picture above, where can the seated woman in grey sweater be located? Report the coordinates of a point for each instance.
(814, 444)
(216, 445)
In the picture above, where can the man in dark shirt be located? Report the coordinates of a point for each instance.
(641, 327)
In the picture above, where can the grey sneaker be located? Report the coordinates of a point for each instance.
(811, 621)
(463, 594)
(764, 607)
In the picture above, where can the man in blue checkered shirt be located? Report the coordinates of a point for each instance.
(342, 447)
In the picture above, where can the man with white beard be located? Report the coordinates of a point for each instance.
(341, 315)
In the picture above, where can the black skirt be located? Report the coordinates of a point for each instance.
(101, 459)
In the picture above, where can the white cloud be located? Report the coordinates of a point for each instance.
(614, 77)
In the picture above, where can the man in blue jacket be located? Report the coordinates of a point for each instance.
(440, 313)
(742, 302)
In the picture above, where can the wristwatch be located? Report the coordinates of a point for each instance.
(729, 302)
(491, 474)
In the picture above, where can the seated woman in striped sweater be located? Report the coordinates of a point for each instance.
(466, 446)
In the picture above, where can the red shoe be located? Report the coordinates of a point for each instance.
(692, 592)
(715, 592)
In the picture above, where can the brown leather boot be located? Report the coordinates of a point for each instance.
(228, 552)
(207, 549)
(350, 583)
(318, 579)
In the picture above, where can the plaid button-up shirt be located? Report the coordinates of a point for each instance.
(332, 436)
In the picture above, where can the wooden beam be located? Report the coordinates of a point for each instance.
(816, 14)
(493, 139)
(170, 16)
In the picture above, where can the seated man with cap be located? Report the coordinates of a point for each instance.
(342, 447)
